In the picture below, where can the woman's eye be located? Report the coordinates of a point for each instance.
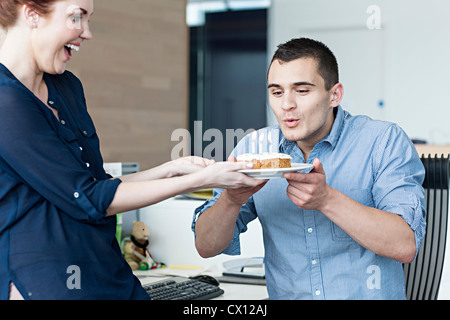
(76, 19)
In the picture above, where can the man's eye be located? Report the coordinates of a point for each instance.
(303, 91)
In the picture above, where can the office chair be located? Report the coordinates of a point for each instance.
(423, 275)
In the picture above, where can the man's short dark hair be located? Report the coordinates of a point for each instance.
(308, 48)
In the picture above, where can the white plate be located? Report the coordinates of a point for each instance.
(275, 173)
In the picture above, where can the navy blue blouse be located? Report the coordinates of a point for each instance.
(55, 241)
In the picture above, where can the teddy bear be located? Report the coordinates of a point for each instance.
(135, 248)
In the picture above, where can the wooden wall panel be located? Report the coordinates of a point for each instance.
(135, 76)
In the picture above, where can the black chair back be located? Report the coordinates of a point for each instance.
(423, 275)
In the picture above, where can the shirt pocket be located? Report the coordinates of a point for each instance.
(89, 133)
(338, 234)
(86, 126)
(364, 197)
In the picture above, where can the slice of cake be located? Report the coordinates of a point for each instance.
(253, 158)
(267, 160)
(275, 160)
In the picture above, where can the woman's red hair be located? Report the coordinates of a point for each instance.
(9, 9)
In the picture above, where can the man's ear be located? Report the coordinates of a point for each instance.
(31, 16)
(337, 93)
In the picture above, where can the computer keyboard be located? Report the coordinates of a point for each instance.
(179, 288)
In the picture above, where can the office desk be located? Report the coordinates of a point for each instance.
(427, 149)
(172, 242)
(233, 291)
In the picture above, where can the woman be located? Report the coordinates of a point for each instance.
(57, 204)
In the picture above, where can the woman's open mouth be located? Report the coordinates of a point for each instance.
(68, 49)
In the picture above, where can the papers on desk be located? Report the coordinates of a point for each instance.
(242, 280)
(171, 270)
(203, 194)
(244, 270)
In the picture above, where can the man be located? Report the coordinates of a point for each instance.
(343, 230)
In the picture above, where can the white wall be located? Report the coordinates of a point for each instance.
(406, 63)
(172, 241)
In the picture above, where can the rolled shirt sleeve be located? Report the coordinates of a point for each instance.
(399, 175)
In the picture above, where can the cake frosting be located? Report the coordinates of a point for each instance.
(267, 160)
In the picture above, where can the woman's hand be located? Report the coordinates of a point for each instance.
(187, 165)
(149, 187)
(225, 175)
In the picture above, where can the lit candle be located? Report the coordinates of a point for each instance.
(261, 140)
(269, 139)
(254, 137)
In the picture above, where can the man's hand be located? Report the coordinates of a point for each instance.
(239, 196)
(308, 190)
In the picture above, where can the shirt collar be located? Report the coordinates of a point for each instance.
(332, 138)
(6, 72)
(336, 130)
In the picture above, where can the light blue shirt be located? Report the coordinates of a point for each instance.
(307, 256)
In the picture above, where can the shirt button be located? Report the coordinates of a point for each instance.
(76, 195)
(50, 102)
(314, 261)
(85, 132)
(310, 230)
(81, 148)
(87, 164)
(317, 293)
(63, 122)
